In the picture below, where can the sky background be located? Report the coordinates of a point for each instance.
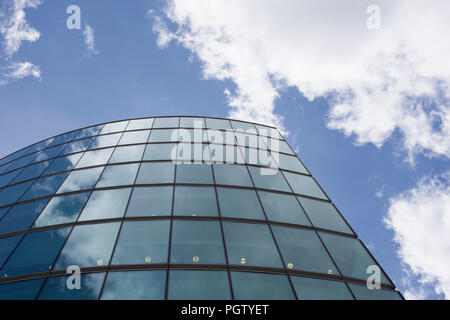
(364, 102)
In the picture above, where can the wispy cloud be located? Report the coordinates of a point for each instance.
(19, 70)
(89, 40)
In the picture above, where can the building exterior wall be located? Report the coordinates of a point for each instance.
(174, 208)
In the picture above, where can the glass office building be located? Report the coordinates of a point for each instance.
(174, 208)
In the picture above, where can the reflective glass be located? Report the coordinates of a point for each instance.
(160, 151)
(250, 244)
(150, 201)
(350, 255)
(243, 126)
(135, 285)
(282, 208)
(134, 137)
(77, 146)
(192, 135)
(20, 290)
(324, 215)
(197, 242)
(108, 140)
(169, 122)
(198, 285)
(32, 171)
(106, 204)
(364, 293)
(156, 172)
(21, 216)
(164, 135)
(49, 153)
(195, 201)
(80, 180)
(44, 186)
(194, 173)
(190, 122)
(61, 210)
(89, 245)
(36, 252)
(302, 250)
(193, 152)
(66, 137)
(7, 245)
(230, 174)
(11, 194)
(248, 140)
(279, 146)
(320, 289)
(140, 124)
(88, 132)
(116, 175)
(268, 179)
(3, 211)
(95, 158)
(63, 164)
(226, 154)
(261, 286)
(289, 163)
(6, 178)
(20, 162)
(127, 153)
(267, 131)
(142, 242)
(114, 127)
(55, 288)
(304, 185)
(239, 203)
(218, 124)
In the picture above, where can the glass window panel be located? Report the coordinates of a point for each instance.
(11, 194)
(89, 245)
(226, 154)
(6, 178)
(77, 146)
(44, 186)
(66, 137)
(114, 127)
(261, 286)
(160, 151)
(108, 140)
(21, 162)
(250, 244)
(117, 175)
(134, 137)
(194, 173)
(192, 135)
(192, 152)
(33, 148)
(63, 164)
(128, 153)
(324, 215)
(320, 289)
(189, 122)
(88, 132)
(198, 285)
(106, 204)
(95, 158)
(3, 211)
(268, 179)
(164, 135)
(49, 153)
(170, 122)
(239, 203)
(364, 293)
(135, 285)
(268, 132)
(230, 174)
(197, 242)
(156, 172)
(55, 288)
(289, 162)
(259, 157)
(302, 250)
(36, 252)
(350, 255)
(20, 290)
(32, 171)
(243, 126)
(142, 242)
(248, 140)
(218, 124)
(80, 180)
(198, 201)
(7, 245)
(140, 124)
(279, 146)
(150, 201)
(282, 208)
(21, 216)
(304, 185)
(61, 210)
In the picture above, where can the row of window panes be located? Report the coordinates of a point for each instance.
(191, 285)
(192, 242)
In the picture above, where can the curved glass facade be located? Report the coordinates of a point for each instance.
(174, 208)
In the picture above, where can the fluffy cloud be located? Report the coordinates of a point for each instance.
(420, 219)
(19, 70)
(89, 40)
(396, 78)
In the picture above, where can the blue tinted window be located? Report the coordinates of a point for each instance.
(116, 175)
(11, 194)
(21, 162)
(20, 290)
(261, 286)
(304, 185)
(63, 164)
(127, 154)
(77, 146)
(108, 140)
(239, 203)
(156, 172)
(150, 201)
(289, 163)
(114, 127)
(32, 171)
(88, 132)
(160, 151)
(269, 179)
(80, 180)
(106, 204)
(95, 158)
(134, 137)
(6, 178)
(49, 153)
(21, 216)
(230, 174)
(7, 245)
(44, 186)
(198, 201)
(194, 173)
(36, 252)
(282, 208)
(66, 137)
(320, 289)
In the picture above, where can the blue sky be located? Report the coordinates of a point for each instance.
(313, 80)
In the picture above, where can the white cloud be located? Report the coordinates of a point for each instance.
(420, 219)
(377, 81)
(89, 40)
(19, 70)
